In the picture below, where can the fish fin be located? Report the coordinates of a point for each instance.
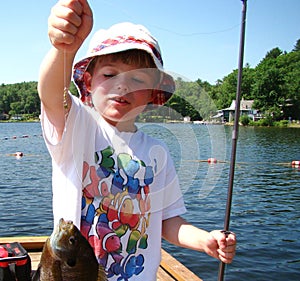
(101, 274)
(36, 274)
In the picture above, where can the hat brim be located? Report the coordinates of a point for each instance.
(162, 92)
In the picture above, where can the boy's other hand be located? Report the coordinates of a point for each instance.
(221, 246)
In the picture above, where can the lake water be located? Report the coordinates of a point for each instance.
(266, 198)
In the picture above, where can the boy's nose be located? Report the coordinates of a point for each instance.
(122, 83)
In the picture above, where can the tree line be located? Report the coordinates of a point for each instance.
(274, 85)
(21, 100)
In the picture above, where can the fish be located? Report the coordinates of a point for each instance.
(68, 256)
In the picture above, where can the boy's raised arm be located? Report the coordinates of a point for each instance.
(69, 24)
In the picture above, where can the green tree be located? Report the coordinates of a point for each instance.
(273, 54)
(297, 46)
(269, 81)
(225, 90)
(19, 98)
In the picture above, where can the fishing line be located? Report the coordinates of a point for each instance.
(66, 89)
(133, 17)
(123, 11)
(196, 33)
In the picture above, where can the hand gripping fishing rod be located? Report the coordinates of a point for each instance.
(234, 132)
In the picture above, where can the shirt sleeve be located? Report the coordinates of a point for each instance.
(55, 147)
(166, 194)
(174, 202)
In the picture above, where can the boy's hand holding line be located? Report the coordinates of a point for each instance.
(69, 23)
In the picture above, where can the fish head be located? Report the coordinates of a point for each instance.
(65, 242)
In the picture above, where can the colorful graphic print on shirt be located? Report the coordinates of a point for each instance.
(116, 211)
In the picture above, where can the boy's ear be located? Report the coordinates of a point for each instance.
(87, 77)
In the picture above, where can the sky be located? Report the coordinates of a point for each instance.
(199, 38)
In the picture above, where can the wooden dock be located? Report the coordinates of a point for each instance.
(170, 269)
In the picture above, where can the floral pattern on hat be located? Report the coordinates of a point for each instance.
(79, 70)
(129, 39)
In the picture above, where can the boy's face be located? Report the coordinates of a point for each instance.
(120, 91)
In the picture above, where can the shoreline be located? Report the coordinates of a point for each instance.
(292, 125)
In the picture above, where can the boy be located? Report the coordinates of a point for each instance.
(113, 181)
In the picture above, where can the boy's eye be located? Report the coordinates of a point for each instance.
(138, 80)
(108, 75)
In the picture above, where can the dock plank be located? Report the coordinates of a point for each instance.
(162, 275)
(28, 242)
(35, 259)
(176, 269)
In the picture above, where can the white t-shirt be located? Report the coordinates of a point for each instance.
(117, 187)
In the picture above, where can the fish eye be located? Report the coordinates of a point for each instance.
(72, 240)
(71, 262)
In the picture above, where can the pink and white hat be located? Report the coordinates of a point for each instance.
(121, 37)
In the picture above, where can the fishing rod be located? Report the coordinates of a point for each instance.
(234, 132)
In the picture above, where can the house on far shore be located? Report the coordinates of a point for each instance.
(227, 114)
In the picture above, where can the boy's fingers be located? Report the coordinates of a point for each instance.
(74, 5)
(86, 9)
(64, 21)
(63, 26)
(80, 7)
(231, 239)
(65, 16)
(226, 240)
(58, 37)
(227, 247)
(78, 14)
(226, 257)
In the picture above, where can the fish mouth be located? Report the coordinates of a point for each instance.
(63, 238)
(54, 240)
(56, 249)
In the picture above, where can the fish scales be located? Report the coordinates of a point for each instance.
(68, 256)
